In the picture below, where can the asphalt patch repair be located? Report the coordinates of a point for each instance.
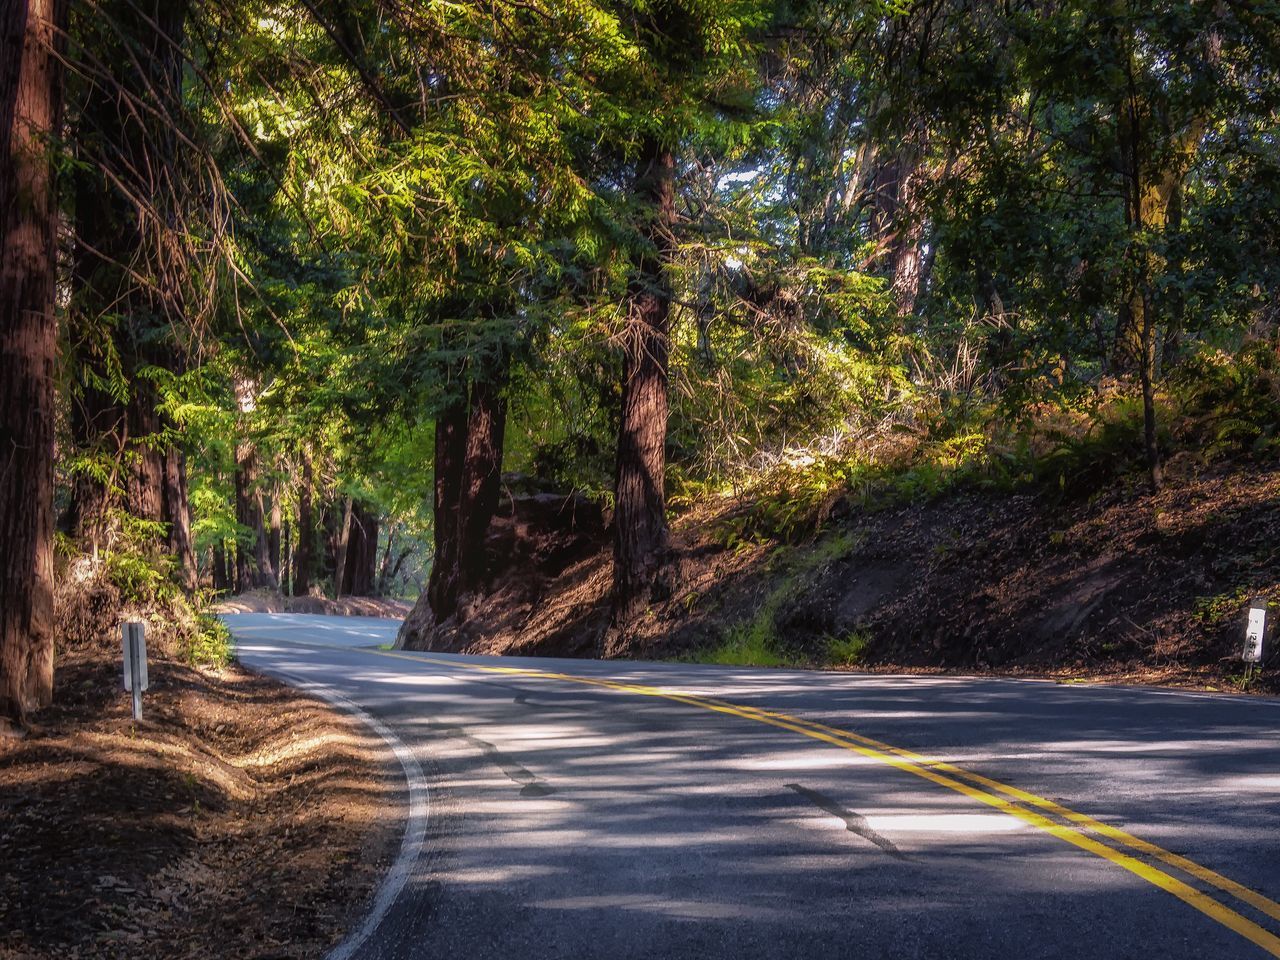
(240, 818)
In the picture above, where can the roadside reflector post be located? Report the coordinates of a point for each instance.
(1255, 634)
(135, 662)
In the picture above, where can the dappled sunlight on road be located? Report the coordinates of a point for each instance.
(549, 797)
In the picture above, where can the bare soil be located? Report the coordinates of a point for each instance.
(265, 601)
(238, 819)
(1126, 586)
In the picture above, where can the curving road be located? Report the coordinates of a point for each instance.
(582, 809)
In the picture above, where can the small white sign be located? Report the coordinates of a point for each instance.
(1254, 633)
(135, 654)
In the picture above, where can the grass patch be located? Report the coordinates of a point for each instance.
(747, 647)
(847, 651)
(755, 643)
(210, 643)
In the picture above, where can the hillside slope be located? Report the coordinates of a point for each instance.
(1126, 584)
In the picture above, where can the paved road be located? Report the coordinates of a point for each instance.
(657, 810)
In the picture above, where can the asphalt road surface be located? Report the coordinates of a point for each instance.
(583, 809)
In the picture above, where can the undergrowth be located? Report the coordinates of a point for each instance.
(1216, 407)
(755, 642)
(130, 579)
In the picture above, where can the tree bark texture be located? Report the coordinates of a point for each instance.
(450, 456)
(30, 93)
(897, 228)
(340, 546)
(303, 552)
(362, 551)
(640, 517)
(273, 532)
(253, 565)
(482, 477)
(470, 436)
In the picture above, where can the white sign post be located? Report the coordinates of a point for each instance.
(135, 662)
(1255, 632)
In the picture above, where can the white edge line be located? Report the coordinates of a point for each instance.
(415, 828)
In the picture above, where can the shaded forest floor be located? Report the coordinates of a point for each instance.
(1125, 586)
(238, 818)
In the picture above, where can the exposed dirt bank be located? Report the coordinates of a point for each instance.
(238, 819)
(1126, 586)
(262, 601)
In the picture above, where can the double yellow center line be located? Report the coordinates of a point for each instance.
(1078, 829)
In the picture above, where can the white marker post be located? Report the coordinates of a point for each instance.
(1254, 634)
(135, 662)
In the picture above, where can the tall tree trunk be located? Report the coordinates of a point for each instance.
(273, 533)
(340, 549)
(262, 548)
(249, 557)
(177, 515)
(470, 434)
(30, 100)
(450, 457)
(897, 228)
(384, 567)
(221, 581)
(641, 538)
(306, 532)
(362, 551)
(286, 561)
(482, 476)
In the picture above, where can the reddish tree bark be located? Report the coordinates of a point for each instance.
(362, 552)
(253, 565)
(468, 474)
(640, 544)
(30, 95)
(482, 478)
(302, 557)
(341, 541)
(450, 456)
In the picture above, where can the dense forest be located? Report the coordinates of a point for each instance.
(300, 297)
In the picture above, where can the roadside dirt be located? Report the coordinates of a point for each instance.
(1126, 586)
(263, 601)
(238, 819)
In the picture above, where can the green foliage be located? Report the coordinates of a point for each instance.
(210, 644)
(848, 650)
(753, 645)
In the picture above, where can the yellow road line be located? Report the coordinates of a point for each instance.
(1202, 873)
(953, 778)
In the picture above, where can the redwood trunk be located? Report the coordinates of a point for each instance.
(468, 473)
(450, 457)
(306, 533)
(362, 552)
(177, 514)
(640, 518)
(221, 579)
(273, 533)
(30, 93)
(340, 549)
(482, 478)
(252, 563)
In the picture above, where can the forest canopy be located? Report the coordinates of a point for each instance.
(297, 296)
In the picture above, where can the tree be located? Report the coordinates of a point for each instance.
(30, 100)
(640, 513)
(130, 312)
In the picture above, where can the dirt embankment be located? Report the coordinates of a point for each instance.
(238, 819)
(1126, 585)
(266, 601)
